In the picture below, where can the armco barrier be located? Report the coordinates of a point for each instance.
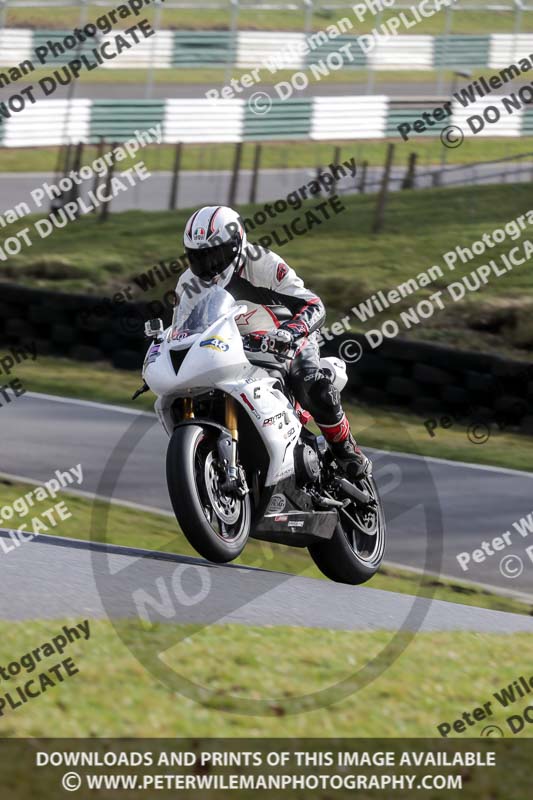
(426, 378)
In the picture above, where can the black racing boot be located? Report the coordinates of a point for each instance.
(351, 458)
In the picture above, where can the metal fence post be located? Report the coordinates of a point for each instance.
(66, 164)
(379, 216)
(57, 202)
(409, 179)
(362, 180)
(76, 166)
(99, 154)
(336, 163)
(104, 214)
(63, 160)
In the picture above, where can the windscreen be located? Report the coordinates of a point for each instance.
(195, 314)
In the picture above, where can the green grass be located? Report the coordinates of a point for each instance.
(437, 677)
(343, 261)
(271, 665)
(278, 155)
(182, 19)
(100, 382)
(214, 77)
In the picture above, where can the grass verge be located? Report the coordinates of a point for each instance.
(436, 678)
(343, 261)
(279, 155)
(356, 80)
(464, 21)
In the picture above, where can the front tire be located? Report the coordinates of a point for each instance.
(217, 525)
(354, 553)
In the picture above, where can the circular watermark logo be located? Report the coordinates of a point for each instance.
(71, 781)
(351, 351)
(478, 433)
(511, 566)
(492, 731)
(260, 103)
(174, 598)
(452, 136)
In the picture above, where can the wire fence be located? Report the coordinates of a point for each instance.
(180, 188)
(512, 169)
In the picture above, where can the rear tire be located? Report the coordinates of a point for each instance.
(215, 524)
(352, 556)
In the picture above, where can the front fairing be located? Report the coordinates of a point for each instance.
(203, 360)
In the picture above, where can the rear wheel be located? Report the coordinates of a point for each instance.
(216, 523)
(355, 552)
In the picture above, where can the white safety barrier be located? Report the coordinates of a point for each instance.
(506, 125)
(506, 48)
(49, 122)
(261, 49)
(156, 51)
(15, 46)
(201, 121)
(282, 49)
(362, 117)
(55, 122)
(402, 52)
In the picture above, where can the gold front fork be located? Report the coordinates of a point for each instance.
(188, 408)
(232, 426)
(231, 418)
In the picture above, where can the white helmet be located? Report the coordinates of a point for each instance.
(215, 241)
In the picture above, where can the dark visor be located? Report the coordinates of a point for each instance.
(208, 262)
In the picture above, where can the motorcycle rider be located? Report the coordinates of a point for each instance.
(218, 252)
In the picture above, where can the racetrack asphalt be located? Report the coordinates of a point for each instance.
(398, 90)
(470, 503)
(162, 90)
(53, 578)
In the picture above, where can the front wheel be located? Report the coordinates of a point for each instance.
(355, 551)
(216, 524)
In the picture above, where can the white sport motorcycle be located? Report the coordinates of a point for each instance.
(240, 463)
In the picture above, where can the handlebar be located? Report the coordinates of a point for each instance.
(258, 343)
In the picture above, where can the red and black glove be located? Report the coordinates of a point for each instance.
(296, 327)
(282, 340)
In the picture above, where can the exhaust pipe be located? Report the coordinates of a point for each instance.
(352, 491)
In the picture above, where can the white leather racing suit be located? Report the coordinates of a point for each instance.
(265, 280)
